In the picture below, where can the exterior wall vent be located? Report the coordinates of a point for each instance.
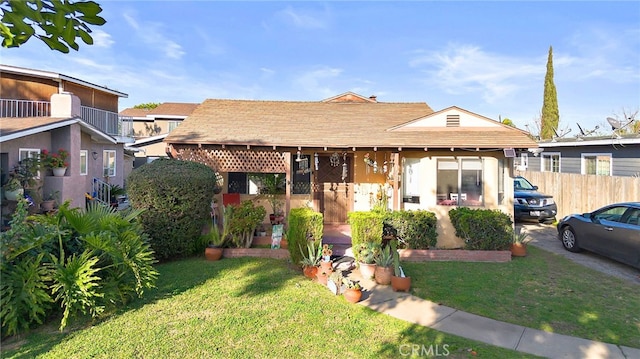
(453, 120)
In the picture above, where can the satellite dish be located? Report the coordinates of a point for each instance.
(615, 124)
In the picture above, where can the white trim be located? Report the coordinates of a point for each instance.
(84, 153)
(549, 154)
(106, 157)
(168, 117)
(57, 76)
(608, 141)
(582, 162)
(52, 126)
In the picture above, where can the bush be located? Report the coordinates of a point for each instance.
(243, 221)
(78, 261)
(366, 227)
(416, 229)
(176, 196)
(304, 224)
(482, 229)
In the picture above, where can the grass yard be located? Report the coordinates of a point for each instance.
(244, 308)
(543, 290)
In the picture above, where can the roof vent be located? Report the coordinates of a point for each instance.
(373, 98)
(453, 120)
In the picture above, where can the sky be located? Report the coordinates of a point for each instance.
(486, 57)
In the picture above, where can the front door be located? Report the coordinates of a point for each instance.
(332, 192)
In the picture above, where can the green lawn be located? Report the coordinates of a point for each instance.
(241, 308)
(543, 290)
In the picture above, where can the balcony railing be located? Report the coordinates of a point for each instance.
(106, 121)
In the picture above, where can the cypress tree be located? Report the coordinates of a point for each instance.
(550, 114)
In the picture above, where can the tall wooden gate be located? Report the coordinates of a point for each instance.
(333, 194)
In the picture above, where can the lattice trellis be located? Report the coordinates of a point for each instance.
(225, 160)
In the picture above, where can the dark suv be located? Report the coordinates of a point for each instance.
(530, 204)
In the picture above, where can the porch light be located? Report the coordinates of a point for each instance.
(94, 154)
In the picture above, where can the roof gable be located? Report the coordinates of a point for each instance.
(452, 117)
(350, 97)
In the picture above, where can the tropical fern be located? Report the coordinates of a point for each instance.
(76, 285)
(24, 295)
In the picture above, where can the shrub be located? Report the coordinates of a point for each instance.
(304, 225)
(176, 196)
(243, 221)
(366, 227)
(482, 229)
(416, 228)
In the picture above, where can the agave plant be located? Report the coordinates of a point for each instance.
(313, 256)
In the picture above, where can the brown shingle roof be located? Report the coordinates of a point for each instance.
(134, 112)
(174, 109)
(11, 125)
(330, 124)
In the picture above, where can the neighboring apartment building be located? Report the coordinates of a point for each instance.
(46, 110)
(607, 156)
(150, 127)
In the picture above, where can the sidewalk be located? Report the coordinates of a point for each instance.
(407, 307)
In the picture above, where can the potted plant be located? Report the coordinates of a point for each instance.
(49, 201)
(272, 187)
(519, 245)
(56, 161)
(366, 253)
(384, 266)
(399, 282)
(115, 191)
(13, 189)
(311, 260)
(353, 290)
(326, 264)
(334, 282)
(216, 240)
(243, 221)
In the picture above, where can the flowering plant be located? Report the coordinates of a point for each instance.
(326, 252)
(55, 160)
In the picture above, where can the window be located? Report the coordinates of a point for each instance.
(460, 182)
(596, 164)
(524, 160)
(173, 125)
(25, 153)
(301, 174)
(411, 185)
(237, 183)
(109, 163)
(84, 162)
(613, 214)
(550, 162)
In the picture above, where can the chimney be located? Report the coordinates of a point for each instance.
(65, 105)
(373, 98)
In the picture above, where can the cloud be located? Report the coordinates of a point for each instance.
(303, 19)
(464, 69)
(101, 39)
(151, 33)
(315, 81)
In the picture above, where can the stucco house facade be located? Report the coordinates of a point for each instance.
(343, 153)
(45, 110)
(151, 126)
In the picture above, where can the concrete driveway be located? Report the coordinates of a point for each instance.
(546, 237)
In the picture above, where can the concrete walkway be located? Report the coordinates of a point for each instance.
(449, 320)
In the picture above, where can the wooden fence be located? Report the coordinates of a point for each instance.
(576, 193)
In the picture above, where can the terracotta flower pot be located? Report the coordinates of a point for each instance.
(518, 249)
(310, 272)
(327, 267)
(47, 206)
(367, 271)
(322, 277)
(383, 275)
(352, 295)
(400, 284)
(213, 253)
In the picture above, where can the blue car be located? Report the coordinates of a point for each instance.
(529, 204)
(612, 231)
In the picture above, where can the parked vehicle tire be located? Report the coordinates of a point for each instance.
(569, 240)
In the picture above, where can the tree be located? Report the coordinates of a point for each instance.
(58, 23)
(508, 122)
(147, 106)
(550, 114)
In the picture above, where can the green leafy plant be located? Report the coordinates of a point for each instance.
(521, 237)
(272, 188)
(482, 229)
(367, 252)
(54, 160)
(176, 196)
(351, 284)
(13, 184)
(384, 257)
(304, 225)
(366, 226)
(243, 221)
(314, 254)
